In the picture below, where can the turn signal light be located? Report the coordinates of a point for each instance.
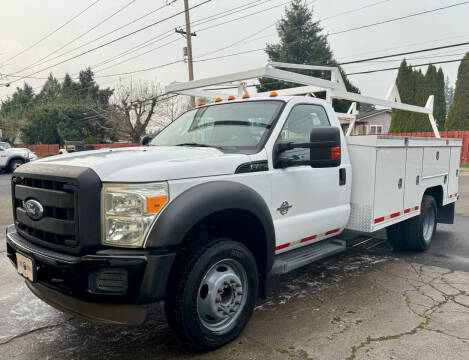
(218, 99)
(155, 204)
(335, 153)
(201, 103)
(231, 97)
(273, 94)
(246, 96)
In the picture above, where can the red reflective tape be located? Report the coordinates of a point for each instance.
(308, 238)
(332, 231)
(396, 214)
(417, 207)
(406, 211)
(378, 220)
(283, 246)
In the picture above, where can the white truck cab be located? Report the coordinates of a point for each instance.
(227, 195)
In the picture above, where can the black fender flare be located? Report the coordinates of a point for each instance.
(202, 200)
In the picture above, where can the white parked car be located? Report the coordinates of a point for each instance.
(225, 196)
(11, 158)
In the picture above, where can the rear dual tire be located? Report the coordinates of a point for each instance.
(416, 233)
(211, 292)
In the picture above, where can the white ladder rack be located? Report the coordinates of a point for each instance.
(334, 88)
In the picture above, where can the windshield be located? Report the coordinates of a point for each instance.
(5, 145)
(237, 126)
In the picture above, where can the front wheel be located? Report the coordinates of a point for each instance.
(14, 164)
(211, 292)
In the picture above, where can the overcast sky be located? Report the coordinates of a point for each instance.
(24, 22)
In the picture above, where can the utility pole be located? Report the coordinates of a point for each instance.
(188, 35)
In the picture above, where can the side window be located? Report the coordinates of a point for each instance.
(301, 120)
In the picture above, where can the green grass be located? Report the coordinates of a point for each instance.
(465, 165)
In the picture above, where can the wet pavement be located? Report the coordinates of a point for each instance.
(367, 303)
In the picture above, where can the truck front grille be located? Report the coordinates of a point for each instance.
(58, 223)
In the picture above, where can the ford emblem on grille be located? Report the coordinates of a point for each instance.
(34, 209)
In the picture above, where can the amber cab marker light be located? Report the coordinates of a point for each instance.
(273, 94)
(201, 103)
(218, 99)
(231, 97)
(246, 96)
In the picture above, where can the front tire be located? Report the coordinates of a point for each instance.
(211, 292)
(14, 164)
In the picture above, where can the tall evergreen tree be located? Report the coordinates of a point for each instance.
(439, 107)
(415, 88)
(458, 115)
(301, 42)
(449, 93)
(406, 85)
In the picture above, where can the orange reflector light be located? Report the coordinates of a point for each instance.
(155, 204)
(273, 93)
(218, 99)
(246, 96)
(201, 103)
(335, 153)
(231, 97)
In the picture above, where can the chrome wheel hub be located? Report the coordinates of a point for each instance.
(222, 295)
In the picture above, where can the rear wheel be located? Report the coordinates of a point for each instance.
(416, 233)
(211, 293)
(14, 164)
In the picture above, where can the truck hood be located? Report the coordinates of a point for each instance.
(18, 150)
(152, 163)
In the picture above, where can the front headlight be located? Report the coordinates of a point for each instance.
(128, 211)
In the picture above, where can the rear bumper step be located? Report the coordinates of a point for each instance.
(297, 258)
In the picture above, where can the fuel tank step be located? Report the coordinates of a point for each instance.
(297, 258)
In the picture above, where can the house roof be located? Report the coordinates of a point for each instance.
(366, 114)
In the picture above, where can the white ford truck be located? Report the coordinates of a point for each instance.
(225, 196)
(11, 158)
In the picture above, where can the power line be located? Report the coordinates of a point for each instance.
(141, 70)
(76, 38)
(229, 55)
(398, 18)
(52, 33)
(353, 10)
(112, 41)
(405, 53)
(274, 23)
(132, 22)
(171, 33)
(412, 66)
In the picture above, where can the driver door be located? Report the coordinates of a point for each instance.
(308, 204)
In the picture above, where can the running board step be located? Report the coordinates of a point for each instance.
(297, 258)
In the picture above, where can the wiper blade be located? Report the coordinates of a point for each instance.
(194, 144)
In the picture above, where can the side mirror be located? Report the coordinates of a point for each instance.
(324, 149)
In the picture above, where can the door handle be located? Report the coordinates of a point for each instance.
(342, 176)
